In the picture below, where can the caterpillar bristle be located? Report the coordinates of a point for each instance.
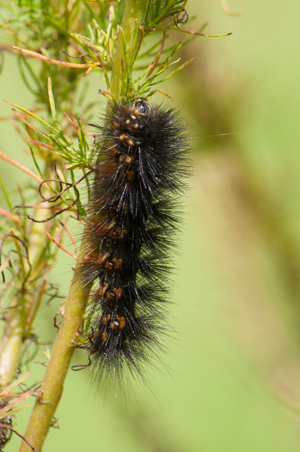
(140, 166)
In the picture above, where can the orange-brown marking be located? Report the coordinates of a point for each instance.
(121, 159)
(135, 126)
(105, 319)
(122, 322)
(122, 234)
(129, 175)
(117, 234)
(118, 324)
(101, 291)
(118, 263)
(114, 325)
(110, 296)
(104, 336)
(112, 235)
(122, 137)
(128, 159)
(92, 258)
(130, 142)
(108, 265)
(118, 293)
(114, 294)
(127, 121)
(102, 230)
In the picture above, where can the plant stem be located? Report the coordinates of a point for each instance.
(11, 343)
(133, 18)
(52, 386)
(56, 372)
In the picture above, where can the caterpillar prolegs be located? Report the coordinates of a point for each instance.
(140, 166)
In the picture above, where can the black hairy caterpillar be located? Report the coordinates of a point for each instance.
(141, 163)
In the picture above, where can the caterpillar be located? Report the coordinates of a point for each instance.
(140, 169)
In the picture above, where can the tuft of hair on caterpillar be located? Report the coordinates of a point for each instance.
(140, 166)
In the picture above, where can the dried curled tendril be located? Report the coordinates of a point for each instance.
(181, 19)
(56, 197)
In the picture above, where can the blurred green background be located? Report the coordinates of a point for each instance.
(231, 382)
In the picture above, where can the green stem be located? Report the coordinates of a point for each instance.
(133, 18)
(57, 369)
(11, 343)
(63, 350)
